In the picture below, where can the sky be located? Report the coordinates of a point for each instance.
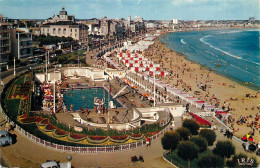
(148, 9)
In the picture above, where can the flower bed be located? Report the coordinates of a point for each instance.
(76, 137)
(137, 136)
(148, 134)
(201, 121)
(59, 133)
(119, 139)
(97, 139)
(44, 121)
(123, 137)
(49, 127)
(30, 119)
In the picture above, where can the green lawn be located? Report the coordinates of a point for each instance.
(193, 164)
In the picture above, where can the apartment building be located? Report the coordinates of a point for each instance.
(21, 41)
(5, 39)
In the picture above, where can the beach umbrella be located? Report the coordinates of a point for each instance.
(136, 69)
(157, 68)
(247, 138)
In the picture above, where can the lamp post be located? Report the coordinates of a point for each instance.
(54, 103)
(46, 73)
(14, 66)
(154, 88)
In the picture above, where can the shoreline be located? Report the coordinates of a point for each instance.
(238, 81)
(189, 74)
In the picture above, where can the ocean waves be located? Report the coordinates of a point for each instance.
(216, 48)
(235, 53)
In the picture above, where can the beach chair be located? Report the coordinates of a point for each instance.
(90, 120)
(116, 119)
(103, 120)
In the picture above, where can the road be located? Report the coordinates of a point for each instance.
(10, 72)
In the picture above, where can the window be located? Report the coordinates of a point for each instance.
(70, 30)
(54, 31)
(59, 31)
(64, 31)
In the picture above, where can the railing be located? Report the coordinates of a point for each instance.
(168, 159)
(96, 149)
(234, 137)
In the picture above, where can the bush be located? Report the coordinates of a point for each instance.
(209, 135)
(170, 140)
(248, 162)
(201, 142)
(224, 149)
(184, 133)
(187, 150)
(210, 161)
(192, 125)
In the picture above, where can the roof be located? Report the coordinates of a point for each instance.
(3, 133)
(61, 23)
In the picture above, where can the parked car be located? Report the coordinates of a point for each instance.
(5, 138)
(55, 164)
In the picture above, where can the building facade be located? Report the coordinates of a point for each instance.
(5, 40)
(21, 41)
(63, 25)
(76, 31)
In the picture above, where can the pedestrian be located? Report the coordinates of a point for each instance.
(147, 142)
(7, 126)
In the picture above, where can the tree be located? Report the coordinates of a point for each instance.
(225, 149)
(209, 135)
(210, 161)
(242, 160)
(192, 125)
(170, 140)
(201, 142)
(187, 150)
(184, 133)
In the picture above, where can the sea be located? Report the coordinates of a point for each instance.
(234, 53)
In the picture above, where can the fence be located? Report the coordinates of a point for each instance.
(96, 149)
(167, 158)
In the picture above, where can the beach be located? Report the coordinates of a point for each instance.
(240, 101)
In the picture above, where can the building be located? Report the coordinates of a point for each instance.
(21, 41)
(76, 31)
(63, 25)
(63, 16)
(175, 21)
(5, 39)
(138, 19)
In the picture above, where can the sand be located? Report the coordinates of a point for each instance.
(191, 76)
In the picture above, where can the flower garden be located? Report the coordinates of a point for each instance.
(16, 100)
(203, 123)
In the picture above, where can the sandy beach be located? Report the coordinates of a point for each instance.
(241, 101)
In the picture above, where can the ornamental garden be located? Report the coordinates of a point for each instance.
(29, 102)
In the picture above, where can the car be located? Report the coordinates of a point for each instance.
(55, 164)
(5, 138)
